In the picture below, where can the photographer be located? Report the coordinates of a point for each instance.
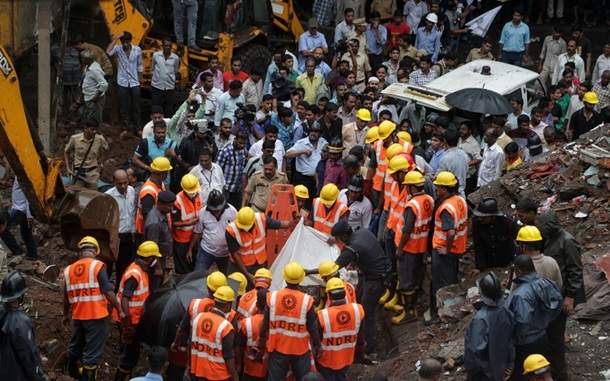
(245, 121)
(228, 102)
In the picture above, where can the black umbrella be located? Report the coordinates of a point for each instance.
(479, 100)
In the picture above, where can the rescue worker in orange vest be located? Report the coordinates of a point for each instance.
(87, 292)
(253, 365)
(246, 240)
(147, 198)
(412, 243)
(404, 139)
(301, 193)
(185, 216)
(450, 235)
(247, 303)
(243, 284)
(379, 163)
(399, 165)
(327, 210)
(329, 269)
(134, 289)
(212, 350)
(340, 326)
(290, 329)
(388, 193)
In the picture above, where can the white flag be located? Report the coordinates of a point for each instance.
(481, 24)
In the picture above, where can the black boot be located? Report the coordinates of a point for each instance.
(72, 368)
(89, 373)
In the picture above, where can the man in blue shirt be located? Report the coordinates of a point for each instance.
(514, 40)
(428, 37)
(376, 37)
(152, 147)
(310, 40)
(157, 358)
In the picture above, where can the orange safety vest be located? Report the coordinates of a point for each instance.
(422, 206)
(407, 147)
(340, 326)
(288, 321)
(149, 188)
(397, 207)
(251, 329)
(458, 209)
(382, 165)
(252, 243)
(86, 299)
(136, 303)
(350, 294)
(209, 329)
(390, 191)
(189, 213)
(323, 220)
(247, 304)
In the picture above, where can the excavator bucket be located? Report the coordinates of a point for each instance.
(87, 212)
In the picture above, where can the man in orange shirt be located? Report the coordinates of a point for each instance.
(235, 74)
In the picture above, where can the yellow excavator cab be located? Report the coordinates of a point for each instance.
(79, 211)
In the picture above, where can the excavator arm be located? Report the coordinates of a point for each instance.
(79, 211)
(121, 15)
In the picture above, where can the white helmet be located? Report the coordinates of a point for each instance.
(432, 17)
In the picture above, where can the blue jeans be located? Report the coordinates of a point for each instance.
(513, 58)
(19, 217)
(189, 7)
(204, 260)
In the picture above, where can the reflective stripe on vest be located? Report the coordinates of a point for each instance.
(247, 303)
(340, 327)
(87, 302)
(324, 221)
(350, 294)
(251, 326)
(396, 212)
(207, 334)
(382, 165)
(417, 243)
(189, 212)
(458, 209)
(140, 294)
(288, 322)
(252, 245)
(149, 188)
(390, 192)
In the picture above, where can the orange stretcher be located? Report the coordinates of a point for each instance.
(282, 205)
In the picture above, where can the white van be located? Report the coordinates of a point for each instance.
(505, 79)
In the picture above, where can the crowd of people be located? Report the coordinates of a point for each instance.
(384, 179)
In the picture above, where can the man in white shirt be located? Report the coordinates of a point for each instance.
(165, 66)
(209, 174)
(492, 163)
(93, 87)
(360, 207)
(345, 28)
(253, 88)
(126, 199)
(211, 94)
(601, 64)
(256, 149)
(213, 221)
(569, 56)
(536, 123)
(227, 102)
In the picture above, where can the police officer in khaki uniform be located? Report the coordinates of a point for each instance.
(83, 154)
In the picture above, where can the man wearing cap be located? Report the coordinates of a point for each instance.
(360, 207)
(327, 209)
(586, 118)
(134, 289)
(190, 147)
(157, 228)
(86, 294)
(86, 149)
(379, 163)
(428, 37)
(355, 133)
(358, 61)
(492, 236)
(185, 216)
(364, 251)
(147, 197)
(334, 172)
(311, 39)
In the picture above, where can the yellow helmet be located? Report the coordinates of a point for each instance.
(404, 136)
(216, 280)
(161, 164)
(329, 194)
(398, 163)
(88, 241)
(414, 178)
(294, 273)
(243, 281)
(148, 249)
(590, 97)
(263, 273)
(301, 191)
(334, 284)
(190, 183)
(393, 150)
(224, 294)
(245, 218)
(529, 233)
(372, 135)
(446, 179)
(385, 129)
(363, 114)
(535, 363)
(327, 268)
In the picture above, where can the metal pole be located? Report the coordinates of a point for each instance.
(44, 73)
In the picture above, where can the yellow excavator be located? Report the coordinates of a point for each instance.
(261, 22)
(78, 211)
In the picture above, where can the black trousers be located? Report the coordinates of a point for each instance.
(124, 258)
(444, 273)
(331, 374)
(540, 346)
(371, 292)
(129, 107)
(17, 217)
(88, 340)
(410, 269)
(181, 265)
(557, 351)
(163, 98)
(279, 363)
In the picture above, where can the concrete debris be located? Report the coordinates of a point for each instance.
(595, 330)
(452, 350)
(15, 260)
